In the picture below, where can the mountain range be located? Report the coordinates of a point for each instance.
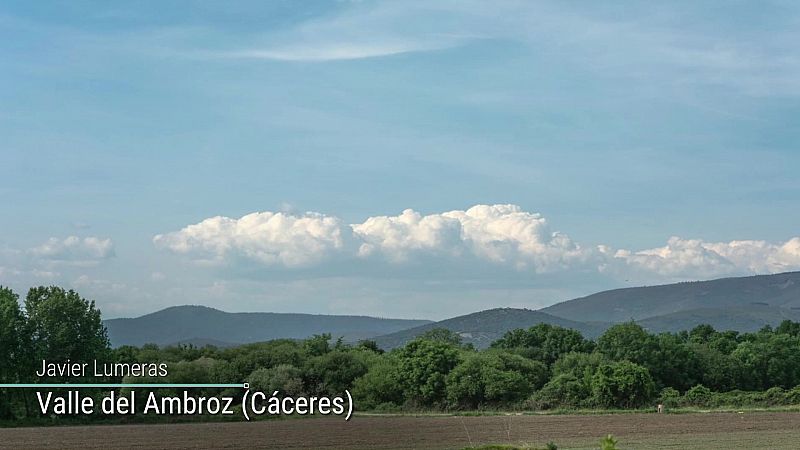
(744, 304)
(202, 325)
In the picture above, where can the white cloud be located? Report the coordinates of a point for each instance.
(333, 51)
(158, 276)
(631, 45)
(98, 286)
(44, 274)
(506, 234)
(694, 258)
(9, 272)
(361, 31)
(501, 234)
(74, 250)
(398, 236)
(265, 237)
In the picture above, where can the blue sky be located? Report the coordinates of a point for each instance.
(636, 143)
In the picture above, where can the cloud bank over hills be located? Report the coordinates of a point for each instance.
(411, 264)
(501, 235)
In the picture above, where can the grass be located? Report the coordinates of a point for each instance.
(502, 447)
(581, 412)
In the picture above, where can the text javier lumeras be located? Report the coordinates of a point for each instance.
(101, 369)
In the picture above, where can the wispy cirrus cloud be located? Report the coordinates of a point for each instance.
(334, 51)
(652, 48)
(360, 31)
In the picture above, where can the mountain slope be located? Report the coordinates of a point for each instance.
(203, 324)
(743, 319)
(484, 327)
(778, 291)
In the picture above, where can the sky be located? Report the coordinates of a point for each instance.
(396, 159)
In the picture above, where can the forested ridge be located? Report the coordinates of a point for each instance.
(540, 368)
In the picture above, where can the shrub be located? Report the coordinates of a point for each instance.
(379, 388)
(775, 396)
(285, 378)
(335, 371)
(544, 342)
(493, 377)
(669, 397)
(698, 396)
(622, 384)
(793, 396)
(565, 391)
(424, 366)
(608, 443)
(581, 365)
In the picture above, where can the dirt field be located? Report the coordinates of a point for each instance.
(635, 431)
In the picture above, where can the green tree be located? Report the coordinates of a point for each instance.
(247, 358)
(627, 341)
(12, 332)
(317, 345)
(284, 378)
(493, 377)
(442, 335)
(381, 385)
(564, 390)
(717, 370)
(673, 363)
(335, 371)
(543, 342)
(768, 360)
(669, 359)
(423, 368)
(63, 325)
(13, 345)
(622, 384)
(581, 365)
(702, 334)
(370, 345)
(789, 327)
(725, 342)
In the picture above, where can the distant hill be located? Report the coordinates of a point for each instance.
(200, 324)
(200, 342)
(713, 300)
(484, 327)
(742, 304)
(744, 319)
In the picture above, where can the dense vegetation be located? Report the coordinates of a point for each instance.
(543, 367)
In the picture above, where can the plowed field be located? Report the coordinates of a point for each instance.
(773, 430)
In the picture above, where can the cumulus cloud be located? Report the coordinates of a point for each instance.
(74, 250)
(265, 237)
(399, 236)
(502, 234)
(694, 258)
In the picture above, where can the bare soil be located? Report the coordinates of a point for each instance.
(761, 430)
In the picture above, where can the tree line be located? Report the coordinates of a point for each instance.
(543, 367)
